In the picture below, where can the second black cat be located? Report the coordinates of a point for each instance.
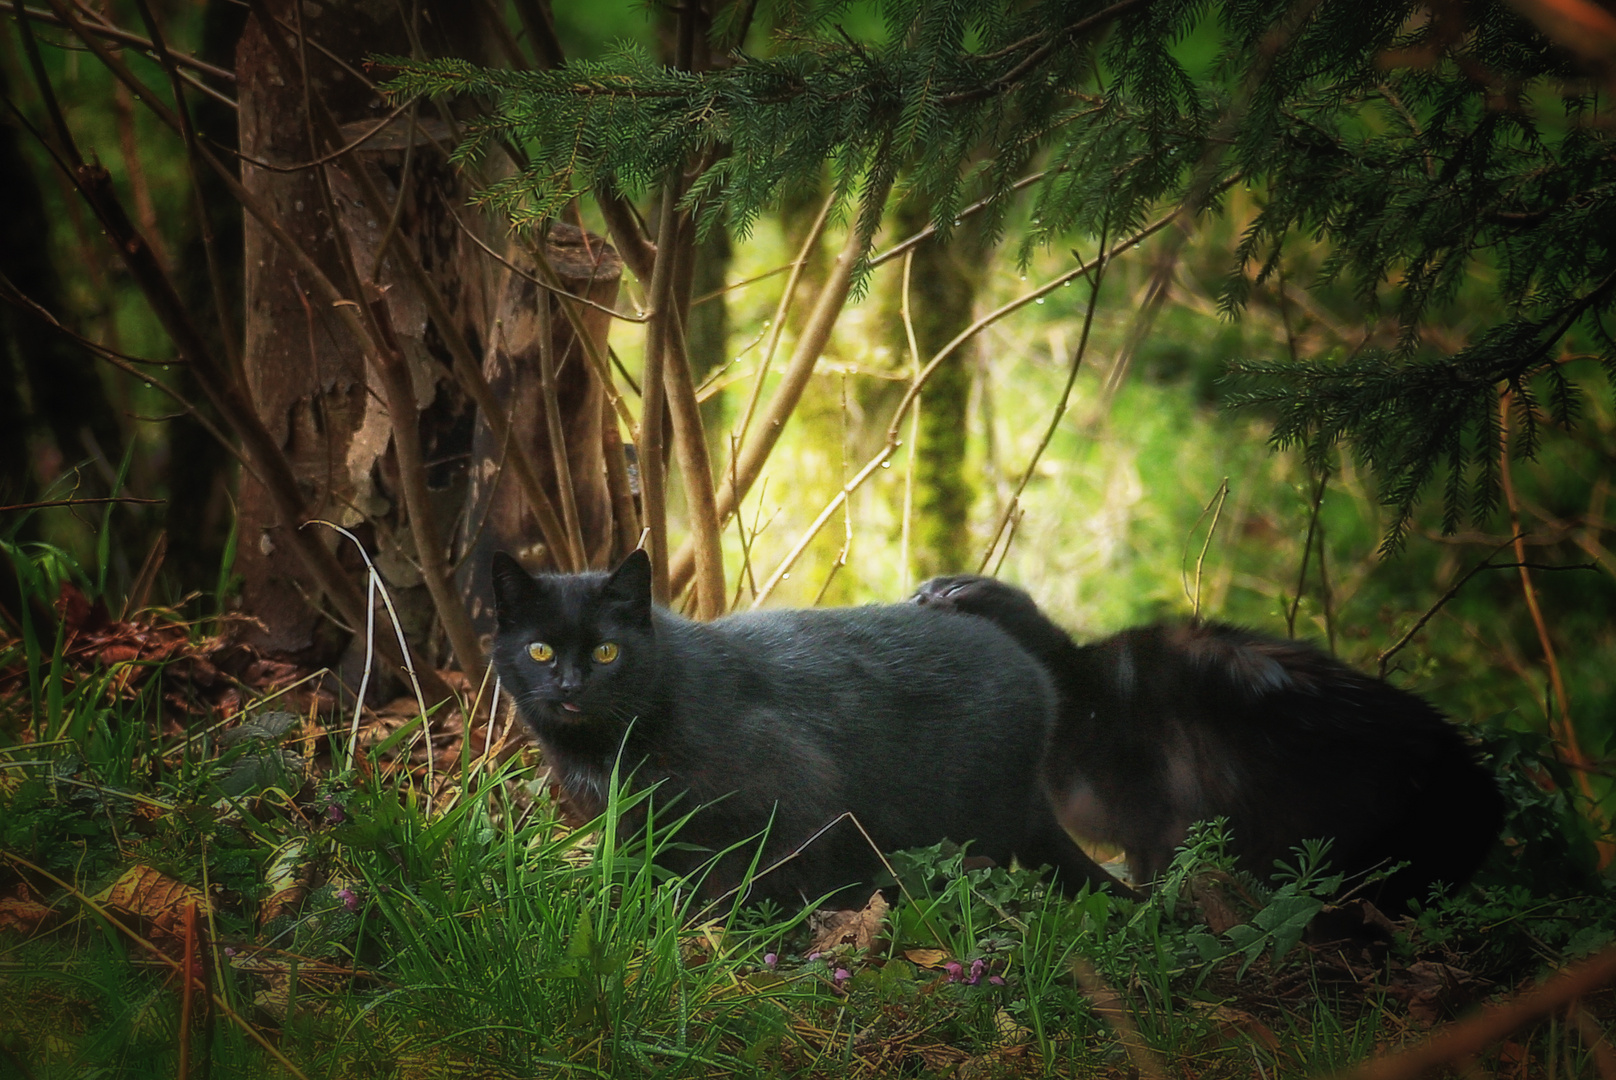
(924, 725)
(1162, 726)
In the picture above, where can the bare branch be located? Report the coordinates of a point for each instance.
(102, 28)
(1095, 279)
(1469, 1037)
(754, 453)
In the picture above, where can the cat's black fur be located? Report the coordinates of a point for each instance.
(923, 724)
(1161, 726)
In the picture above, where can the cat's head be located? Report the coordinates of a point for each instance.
(575, 648)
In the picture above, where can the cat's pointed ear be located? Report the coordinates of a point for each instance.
(630, 583)
(513, 587)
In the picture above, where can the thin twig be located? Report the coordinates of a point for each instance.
(188, 134)
(781, 311)
(1095, 279)
(405, 174)
(783, 571)
(905, 579)
(341, 151)
(745, 577)
(651, 441)
(1219, 497)
(80, 502)
(102, 28)
(1564, 729)
(1486, 564)
(708, 297)
(1009, 538)
(909, 243)
(1010, 307)
(540, 282)
(557, 432)
(1307, 550)
(847, 514)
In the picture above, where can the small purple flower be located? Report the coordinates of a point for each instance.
(976, 973)
(335, 814)
(813, 956)
(996, 980)
(770, 959)
(842, 975)
(954, 969)
(349, 900)
(228, 951)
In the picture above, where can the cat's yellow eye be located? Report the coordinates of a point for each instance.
(541, 652)
(605, 652)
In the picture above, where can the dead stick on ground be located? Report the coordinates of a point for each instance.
(224, 1006)
(1470, 1037)
(1111, 1009)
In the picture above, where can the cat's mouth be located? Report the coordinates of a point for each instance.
(572, 706)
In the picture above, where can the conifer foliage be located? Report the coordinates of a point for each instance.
(1427, 144)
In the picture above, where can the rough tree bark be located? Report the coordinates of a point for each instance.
(393, 201)
(497, 518)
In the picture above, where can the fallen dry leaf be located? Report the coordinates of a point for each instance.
(288, 879)
(1010, 1031)
(1513, 1059)
(20, 913)
(926, 958)
(860, 929)
(1232, 1021)
(1431, 990)
(1211, 895)
(155, 899)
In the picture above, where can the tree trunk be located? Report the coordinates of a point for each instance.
(941, 292)
(497, 518)
(420, 263)
(394, 200)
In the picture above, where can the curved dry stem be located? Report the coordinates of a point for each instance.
(1012, 508)
(653, 389)
(755, 452)
(379, 586)
(1214, 507)
(781, 310)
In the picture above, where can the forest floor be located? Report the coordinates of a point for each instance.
(208, 866)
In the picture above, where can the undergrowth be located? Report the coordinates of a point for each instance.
(346, 929)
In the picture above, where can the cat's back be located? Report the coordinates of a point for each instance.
(891, 670)
(890, 642)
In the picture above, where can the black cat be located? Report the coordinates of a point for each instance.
(1162, 726)
(923, 725)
